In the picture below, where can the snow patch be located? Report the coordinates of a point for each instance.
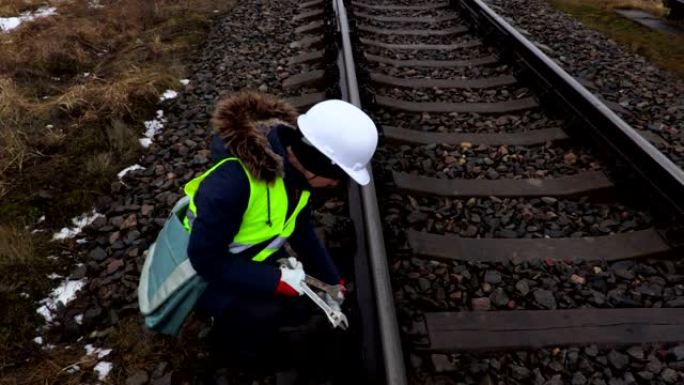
(152, 127)
(145, 142)
(38, 340)
(102, 369)
(79, 223)
(99, 352)
(185, 82)
(129, 169)
(45, 312)
(62, 294)
(54, 276)
(40, 220)
(10, 23)
(168, 94)
(78, 318)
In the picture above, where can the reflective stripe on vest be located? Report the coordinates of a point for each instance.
(264, 219)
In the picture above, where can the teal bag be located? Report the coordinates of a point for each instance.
(169, 286)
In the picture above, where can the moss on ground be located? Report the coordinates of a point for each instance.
(664, 50)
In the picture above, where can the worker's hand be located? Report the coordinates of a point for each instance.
(291, 277)
(340, 292)
(332, 302)
(336, 298)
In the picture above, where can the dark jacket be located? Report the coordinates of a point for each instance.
(221, 202)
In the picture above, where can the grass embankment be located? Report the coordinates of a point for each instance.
(12, 8)
(663, 49)
(74, 91)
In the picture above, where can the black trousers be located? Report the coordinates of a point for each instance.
(272, 333)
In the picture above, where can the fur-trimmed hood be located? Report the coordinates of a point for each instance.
(243, 121)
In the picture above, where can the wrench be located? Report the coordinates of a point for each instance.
(332, 290)
(336, 317)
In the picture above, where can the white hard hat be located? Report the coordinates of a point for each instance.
(343, 133)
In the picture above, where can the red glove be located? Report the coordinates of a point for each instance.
(286, 290)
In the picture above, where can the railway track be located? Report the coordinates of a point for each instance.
(531, 234)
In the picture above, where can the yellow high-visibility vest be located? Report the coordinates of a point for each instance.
(265, 218)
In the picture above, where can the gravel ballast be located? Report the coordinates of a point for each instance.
(423, 284)
(491, 162)
(647, 97)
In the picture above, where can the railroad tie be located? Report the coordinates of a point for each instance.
(481, 108)
(480, 331)
(527, 138)
(308, 41)
(636, 244)
(413, 32)
(308, 57)
(422, 7)
(407, 19)
(420, 46)
(496, 81)
(305, 79)
(303, 102)
(485, 60)
(312, 27)
(306, 16)
(311, 4)
(585, 183)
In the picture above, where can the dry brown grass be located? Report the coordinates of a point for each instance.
(17, 151)
(49, 368)
(661, 48)
(137, 346)
(16, 247)
(55, 119)
(9, 8)
(140, 349)
(655, 7)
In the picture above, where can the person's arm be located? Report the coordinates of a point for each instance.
(316, 259)
(221, 202)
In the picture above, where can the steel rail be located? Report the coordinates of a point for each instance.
(393, 360)
(662, 177)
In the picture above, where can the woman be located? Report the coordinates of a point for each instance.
(255, 198)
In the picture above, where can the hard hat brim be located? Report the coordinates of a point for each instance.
(361, 177)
